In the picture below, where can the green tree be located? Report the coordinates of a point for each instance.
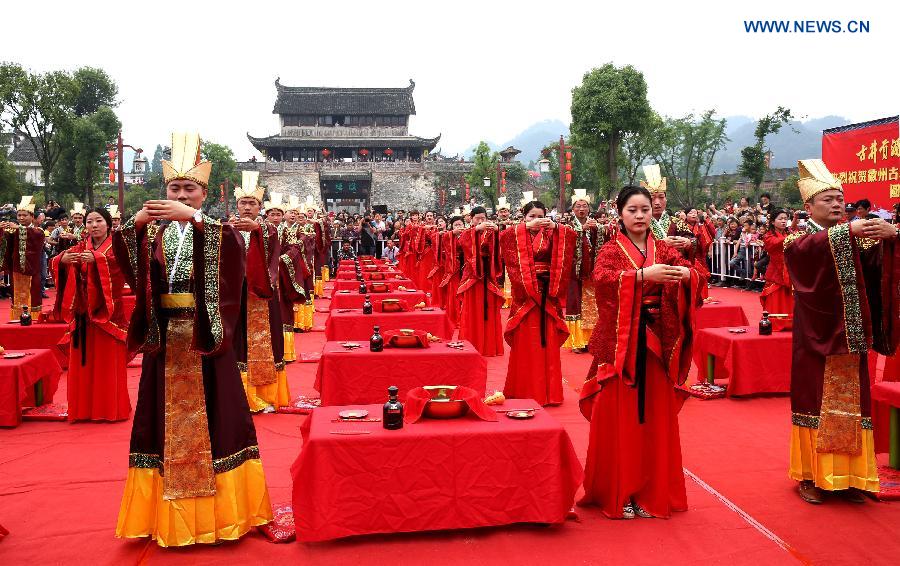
(485, 166)
(94, 89)
(9, 183)
(90, 137)
(753, 157)
(585, 171)
(224, 167)
(789, 193)
(41, 106)
(609, 104)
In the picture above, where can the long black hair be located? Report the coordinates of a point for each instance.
(532, 205)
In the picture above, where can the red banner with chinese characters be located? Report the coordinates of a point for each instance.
(866, 159)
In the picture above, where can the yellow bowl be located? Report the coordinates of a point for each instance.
(440, 406)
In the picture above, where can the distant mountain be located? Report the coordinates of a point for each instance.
(797, 140)
(530, 141)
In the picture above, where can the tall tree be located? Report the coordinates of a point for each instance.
(9, 183)
(609, 104)
(585, 170)
(753, 157)
(93, 90)
(485, 166)
(90, 137)
(41, 106)
(224, 167)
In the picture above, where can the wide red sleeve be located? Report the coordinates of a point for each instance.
(262, 261)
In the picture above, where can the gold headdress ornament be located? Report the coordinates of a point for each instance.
(249, 187)
(78, 209)
(310, 203)
(527, 196)
(466, 210)
(501, 203)
(580, 194)
(186, 162)
(457, 212)
(276, 202)
(114, 211)
(655, 182)
(815, 178)
(293, 202)
(27, 203)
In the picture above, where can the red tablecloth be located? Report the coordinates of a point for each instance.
(355, 325)
(430, 475)
(350, 274)
(353, 300)
(751, 363)
(40, 336)
(17, 379)
(719, 314)
(353, 286)
(347, 377)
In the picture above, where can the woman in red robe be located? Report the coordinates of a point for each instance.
(538, 254)
(777, 295)
(424, 262)
(89, 298)
(436, 274)
(646, 292)
(481, 296)
(453, 262)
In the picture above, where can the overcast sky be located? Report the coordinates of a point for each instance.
(483, 70)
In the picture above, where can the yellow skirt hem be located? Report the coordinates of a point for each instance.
(832, 471)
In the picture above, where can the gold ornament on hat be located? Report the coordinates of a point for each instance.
(815, 178)
(26, 203)
(249, 187)
(186, 163)
(502, 204)
(655, 182)
(114, 211)
(580, 194)
(78, 209)
(310, 203)
(276, 202)
(293, 202)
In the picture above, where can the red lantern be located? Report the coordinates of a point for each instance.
(389, 152)
(112, 177)
(467, 192)
(326, 153)
(364, 152)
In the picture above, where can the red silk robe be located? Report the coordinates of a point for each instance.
(701, 236)
(436, 274)
(481, 296)
(845, 303)
(425, 258)
(89, 299)
(20, 253)
(633, 379)
(777, 296)
(453, 263)
(538, 266)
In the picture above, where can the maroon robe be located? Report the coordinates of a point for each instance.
(29, 263)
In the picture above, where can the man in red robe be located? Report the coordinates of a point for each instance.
(845, 278)
(480, 294)
(699, 233)
(21, 249)
(453, 263)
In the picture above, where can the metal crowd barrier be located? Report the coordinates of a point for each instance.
(727, 263)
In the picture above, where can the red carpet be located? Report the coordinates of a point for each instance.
(60, 486)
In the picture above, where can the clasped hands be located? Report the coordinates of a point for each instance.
(874, 228)
(663, 273)
(173, 210)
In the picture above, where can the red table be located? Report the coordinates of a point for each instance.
(430, 475)
(353, 286)
(392, 274)
(751, 363)
(353, 300)
(347, 377)
(887, 394)
(354, 325)
(40, 336)
(718, 314)
(18, 378)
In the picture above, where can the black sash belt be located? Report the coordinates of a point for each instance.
(649, 311)
(79, 336)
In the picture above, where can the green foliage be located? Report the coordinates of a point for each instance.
(585, 172)
(94, 89)
(753, 157)
(485, 166)
(91, 134)
(224, 167)
(9, 184)
(609, 104)
(789, 193)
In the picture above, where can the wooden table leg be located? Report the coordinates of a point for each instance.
(894, 460)
(710, 369)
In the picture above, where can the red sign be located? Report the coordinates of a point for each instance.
(866, 159)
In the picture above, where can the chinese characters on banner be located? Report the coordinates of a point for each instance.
(866, 159)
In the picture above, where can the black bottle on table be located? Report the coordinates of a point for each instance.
(367, 307)
(376, 342)
(392, 419)
(362, 287)
(765, 325)
(25, 317)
